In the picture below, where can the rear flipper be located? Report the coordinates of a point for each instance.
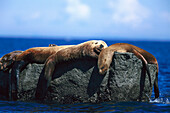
(156, 88)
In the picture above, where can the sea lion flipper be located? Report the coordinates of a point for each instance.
(14, 80)
(139, 55)
(45, 78)
(156, 89)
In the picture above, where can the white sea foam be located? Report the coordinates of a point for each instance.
(160, 100)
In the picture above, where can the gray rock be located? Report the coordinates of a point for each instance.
(79, 81)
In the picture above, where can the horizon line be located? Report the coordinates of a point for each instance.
(87, 38)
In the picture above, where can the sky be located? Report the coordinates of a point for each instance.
(113, 19)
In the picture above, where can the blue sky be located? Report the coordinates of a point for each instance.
(114, 19)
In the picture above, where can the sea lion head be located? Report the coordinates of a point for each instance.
(94, 47)
(8, 59)
(104, 60)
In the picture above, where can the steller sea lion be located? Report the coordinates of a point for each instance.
(87, 49)
(106, 55)
(7, 60)
(32, 55)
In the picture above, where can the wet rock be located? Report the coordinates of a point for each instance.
(79, 81)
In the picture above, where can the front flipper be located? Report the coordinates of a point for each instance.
(146, 67)
(14, 79)
(145, 70)
(45, 79)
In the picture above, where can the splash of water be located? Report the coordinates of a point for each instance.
(160, 100)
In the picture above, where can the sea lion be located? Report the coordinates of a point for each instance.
(106, 55)
(7, 60)
(32, 55)
(87, 49)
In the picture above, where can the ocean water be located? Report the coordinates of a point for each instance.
(159, 49)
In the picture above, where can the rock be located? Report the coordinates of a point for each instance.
(79, 81)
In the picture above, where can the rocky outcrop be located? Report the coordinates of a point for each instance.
(79, 81)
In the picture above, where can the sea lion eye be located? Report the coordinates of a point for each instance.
(96, 43)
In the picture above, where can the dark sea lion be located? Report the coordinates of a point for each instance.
(87, 49)
(7, 60)
(106, 55)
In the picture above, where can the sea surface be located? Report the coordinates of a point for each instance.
(161, 50)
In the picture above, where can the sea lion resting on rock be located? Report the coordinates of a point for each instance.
(87, 49)
(32, 55)
(7, 60)
(106, 55)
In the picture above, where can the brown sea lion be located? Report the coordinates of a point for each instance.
(32, 55)
(7, 60)
(39, 54)
(87, 49)
(106, 55)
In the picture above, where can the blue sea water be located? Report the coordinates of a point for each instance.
(159, 49)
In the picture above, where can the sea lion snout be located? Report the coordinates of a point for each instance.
(102, 68)
(102, 71)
